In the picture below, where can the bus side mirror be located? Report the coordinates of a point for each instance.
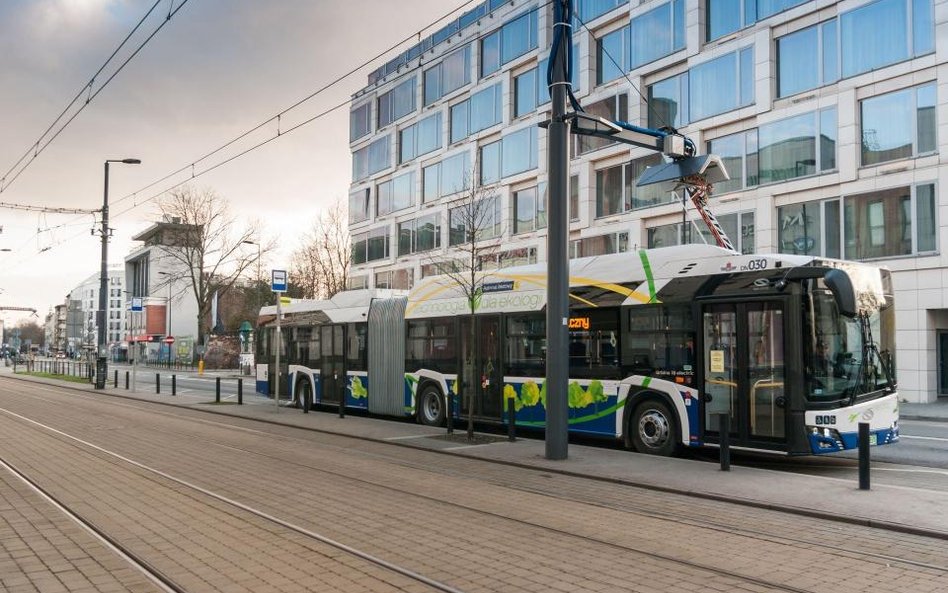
(841, 286)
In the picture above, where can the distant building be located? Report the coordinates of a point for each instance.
(169, 307)
(82, 306)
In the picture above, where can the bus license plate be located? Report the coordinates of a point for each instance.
(873, 439)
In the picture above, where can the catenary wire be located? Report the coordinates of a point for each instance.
(36, 149)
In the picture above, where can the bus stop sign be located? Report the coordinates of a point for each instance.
(278, 283)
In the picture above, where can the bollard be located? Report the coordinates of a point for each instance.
(115, 380)
(724, 428)
(304, 400)
(126, 380)
(449, 412)
(217, 390)
(511, 420)
(864, 456)
(174, 385)
(157, 382)
(240, 391)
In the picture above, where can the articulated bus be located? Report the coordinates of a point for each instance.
(796, 351)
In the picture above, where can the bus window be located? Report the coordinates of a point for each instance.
(660, 342)
(594, 343)
(356, 346)
(526, 346)
(432, 345)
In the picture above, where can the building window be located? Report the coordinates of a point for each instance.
(531, 90)
(612, 55)
(420, 234)
(898, 125)
(448, 75)
(616, 191)
(657, 33)
(481, 111)
(370, 246)
(714, 87)
(530, 209)
(395, 194)
(739, 228)
(446, 177)
(395, 279)
(396, 103)
(359, 205)
(880, 33)
(360, 122)
(738, 152)
(889, 223)
(587, 10)
(727, 16)
(600, 245)
(810, 228)
(371, 159)
(797, 146)
(357, 282)
(486, 215)
(612, 109)
(807, 59)
(512, 154)
(510, 41)
(419, 138)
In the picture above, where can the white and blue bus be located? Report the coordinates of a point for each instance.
(795, 350)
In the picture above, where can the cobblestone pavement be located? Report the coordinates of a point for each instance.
(474, 525)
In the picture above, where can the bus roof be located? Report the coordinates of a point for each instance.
(615, 279)
(344, 307)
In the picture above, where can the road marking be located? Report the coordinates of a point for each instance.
(903, 436)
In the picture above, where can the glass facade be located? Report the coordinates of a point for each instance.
(613, 108)
(371, 159)
(420, 234)
(739, 228)
(419, 138)
(657, 33)
(599, 245)
(530, 209)
(482, 110)
(370, 246)
(514, 153)
(396, 103)
(360, 121)
(448, 75)
(449, 176)
(727, 16)
(880, 224)
(395, 194)
(510, 41)
(616, 191)
(359, 205)
(484, 217)
(797, 146)
(898, 125)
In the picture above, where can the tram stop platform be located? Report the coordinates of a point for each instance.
(904, 507)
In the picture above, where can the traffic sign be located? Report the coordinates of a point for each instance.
(278, 281)
(168, 340)
(136, 303)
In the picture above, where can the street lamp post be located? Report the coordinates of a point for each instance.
(170, 279)
(101, 367)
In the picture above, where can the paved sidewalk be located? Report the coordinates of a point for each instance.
(896, 507)
(936, 411)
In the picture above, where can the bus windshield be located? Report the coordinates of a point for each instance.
(845, 357)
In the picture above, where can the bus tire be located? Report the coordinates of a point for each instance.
(431, 406)
(654, 429)
(304, 394)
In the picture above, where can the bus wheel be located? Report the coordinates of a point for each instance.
(654, 430)
(431, 406)
(304, 395)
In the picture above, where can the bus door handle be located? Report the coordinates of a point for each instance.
(707, 397)
(780, 401)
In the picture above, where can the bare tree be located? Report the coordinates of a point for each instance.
(475, 214)
(320, 266)
(205, 247)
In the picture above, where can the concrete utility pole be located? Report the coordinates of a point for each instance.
(557, 264)
(101, 365)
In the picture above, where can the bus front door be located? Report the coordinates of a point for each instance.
(489, 383)
(743, 370)
(332, 376)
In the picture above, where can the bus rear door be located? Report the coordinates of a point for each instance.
(332, 374)
(744, 374)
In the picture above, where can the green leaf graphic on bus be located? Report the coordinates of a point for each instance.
(358, 390)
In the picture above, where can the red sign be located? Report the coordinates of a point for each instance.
(168, 340)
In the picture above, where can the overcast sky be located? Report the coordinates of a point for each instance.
(218, 68)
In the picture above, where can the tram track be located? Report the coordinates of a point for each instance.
(506, 517)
